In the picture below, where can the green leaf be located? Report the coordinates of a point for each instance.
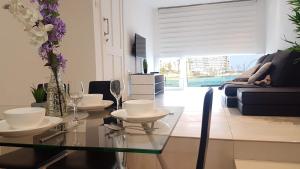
(38, 94)
(295, 19)
(55, 14)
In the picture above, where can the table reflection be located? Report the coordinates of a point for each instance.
(91, 134)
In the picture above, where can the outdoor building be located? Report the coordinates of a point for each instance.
(208, 66)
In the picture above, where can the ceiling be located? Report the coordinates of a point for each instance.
(171, 3)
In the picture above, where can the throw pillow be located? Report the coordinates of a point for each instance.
(247, 74)
(261, 59)
(269, 58)
(265, 82)
(285, 70)
(241, 79)
(261, 73)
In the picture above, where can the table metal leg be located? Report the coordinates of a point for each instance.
(162, 162)
(125, 160)
(122, 160)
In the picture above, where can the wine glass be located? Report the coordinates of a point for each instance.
(116, 89)
(75, 93)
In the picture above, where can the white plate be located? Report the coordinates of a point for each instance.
(47, 123)
(142, 118)
(95, 106)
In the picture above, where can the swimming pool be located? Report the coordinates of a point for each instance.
(201, 81)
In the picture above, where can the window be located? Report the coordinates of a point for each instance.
(205, 70)
(171, 69)
(214, 42)
(215, 70)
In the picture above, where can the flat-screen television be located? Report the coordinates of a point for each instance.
(139, 46)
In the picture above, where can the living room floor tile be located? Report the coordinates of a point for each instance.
(263, 128)
(189, 125)
(227, 123)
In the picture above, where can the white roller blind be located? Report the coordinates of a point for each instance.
(212, 29)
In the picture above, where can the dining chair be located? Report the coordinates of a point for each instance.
(206, 119)
(102, 87)
(29, 158)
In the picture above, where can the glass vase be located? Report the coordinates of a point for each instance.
(56, 99)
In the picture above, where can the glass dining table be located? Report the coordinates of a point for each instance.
(91, 134)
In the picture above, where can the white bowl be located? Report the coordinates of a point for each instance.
(21, 118)
(138, 107)
(91, 99)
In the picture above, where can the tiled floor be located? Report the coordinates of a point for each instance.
(277, 129)
(250, 164)
(189, 124)
(227, 123)
(233, 136)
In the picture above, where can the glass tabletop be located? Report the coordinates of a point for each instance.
(91, 134)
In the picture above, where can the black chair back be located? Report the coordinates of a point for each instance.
(207, 107)
(102, 87)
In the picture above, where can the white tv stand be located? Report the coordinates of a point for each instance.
(146, 86)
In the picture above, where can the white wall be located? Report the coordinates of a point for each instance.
(139, 17)
(278, 25)
(79, 42)
(272, 25)
(20, 65)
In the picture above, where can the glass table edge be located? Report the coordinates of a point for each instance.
(164, 146)
(102, 149)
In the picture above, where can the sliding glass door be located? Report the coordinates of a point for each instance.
(203, 71)
(171, 68)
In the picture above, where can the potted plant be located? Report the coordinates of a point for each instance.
(40, 97)
(295, 19)
(145, 66)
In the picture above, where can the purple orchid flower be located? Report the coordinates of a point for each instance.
(49, 11)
